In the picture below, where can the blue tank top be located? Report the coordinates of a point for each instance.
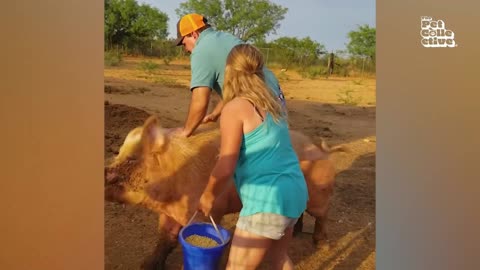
(268, 176)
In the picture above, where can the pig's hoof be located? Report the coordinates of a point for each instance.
(152, 263)
(322, 244)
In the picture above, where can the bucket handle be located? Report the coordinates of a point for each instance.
(213, 223)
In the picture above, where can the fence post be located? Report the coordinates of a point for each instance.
(363, 65)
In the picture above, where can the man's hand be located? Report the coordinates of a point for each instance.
(180, 132)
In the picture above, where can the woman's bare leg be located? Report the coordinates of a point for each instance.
(247, 250)
(278, 252)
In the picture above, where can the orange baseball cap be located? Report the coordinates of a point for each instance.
(188, 24)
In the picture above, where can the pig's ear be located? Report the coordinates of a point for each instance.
(153, 137)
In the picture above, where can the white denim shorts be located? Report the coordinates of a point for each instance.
(268, 225)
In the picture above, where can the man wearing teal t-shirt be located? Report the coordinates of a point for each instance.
(209, 50)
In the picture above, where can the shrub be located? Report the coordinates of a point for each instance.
(313, 72)
(112, 58)
(283, 76)
(357, 82)
(169, 82)
(346, 97)
(148, 66)
(167, 59)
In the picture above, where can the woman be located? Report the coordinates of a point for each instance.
(256, 150)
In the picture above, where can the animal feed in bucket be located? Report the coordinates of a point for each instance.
(201, 241)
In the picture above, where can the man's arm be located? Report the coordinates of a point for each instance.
(198, 109)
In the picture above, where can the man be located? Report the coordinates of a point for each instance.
(209, 50)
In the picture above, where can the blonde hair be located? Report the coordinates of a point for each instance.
(244, 78)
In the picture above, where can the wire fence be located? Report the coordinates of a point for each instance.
(309, 64)
(338, 63)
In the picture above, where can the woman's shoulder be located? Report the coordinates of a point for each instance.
(237, 105)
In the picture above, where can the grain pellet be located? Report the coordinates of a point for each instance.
(201, 241)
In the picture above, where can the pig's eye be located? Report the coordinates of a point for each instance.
(131, 159)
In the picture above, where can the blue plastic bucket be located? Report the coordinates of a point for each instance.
(200, 258)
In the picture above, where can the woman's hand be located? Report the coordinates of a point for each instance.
(210, 118)
(206, 203)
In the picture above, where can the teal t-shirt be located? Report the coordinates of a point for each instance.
(209, 58)
(268, 176)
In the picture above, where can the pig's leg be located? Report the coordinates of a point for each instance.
(168, 230)
(318, 208)
(320, 232)
(320, 177)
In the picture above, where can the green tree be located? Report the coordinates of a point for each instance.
(300, 51)
(130, 25)
(362, 42)
(149, 24)
(250, 20)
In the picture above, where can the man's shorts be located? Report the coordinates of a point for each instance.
(268, 225)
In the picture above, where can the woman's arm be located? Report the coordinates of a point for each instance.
(213, 116)
(231, 132)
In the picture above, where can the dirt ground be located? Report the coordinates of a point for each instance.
(131, 94)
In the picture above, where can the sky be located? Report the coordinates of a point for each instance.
(325, 21)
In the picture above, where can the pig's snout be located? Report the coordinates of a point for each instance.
(111, 176)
